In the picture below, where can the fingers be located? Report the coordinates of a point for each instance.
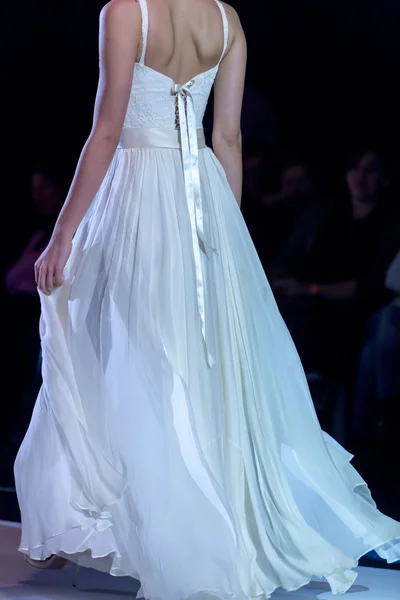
(58, 277)
(42, 279)
(48, 277)
(45, 279)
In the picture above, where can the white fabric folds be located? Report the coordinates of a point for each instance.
(140, 460)
(188, 139)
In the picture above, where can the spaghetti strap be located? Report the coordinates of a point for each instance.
(145, 28)
(226, 28)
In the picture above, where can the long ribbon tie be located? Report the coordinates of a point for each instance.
(190, 157)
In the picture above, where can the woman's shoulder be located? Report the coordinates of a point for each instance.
(120, 20)
(231, 13)
(121, 9)
(234, 24)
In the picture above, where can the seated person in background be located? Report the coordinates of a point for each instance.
(330, 275)
(284, 208)
(377, 399)
(255, 173)
(22, 310)
(45, 197)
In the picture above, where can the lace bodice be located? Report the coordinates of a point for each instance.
(151, 103)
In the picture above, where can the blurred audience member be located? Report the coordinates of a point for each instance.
(285, 208)
(22, 300)
(329, 277)
(255, 174)
(19, 278)
(377, 400)
(295, 184)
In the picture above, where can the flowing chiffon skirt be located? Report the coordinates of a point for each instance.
(140, 460)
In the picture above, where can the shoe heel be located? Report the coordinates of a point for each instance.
(76, 576)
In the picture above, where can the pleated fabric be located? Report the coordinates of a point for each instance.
(140, 460)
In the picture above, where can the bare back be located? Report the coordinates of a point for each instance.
(185, 37)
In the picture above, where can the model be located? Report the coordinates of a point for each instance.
(174, 439)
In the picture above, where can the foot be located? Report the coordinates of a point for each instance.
(53, 562)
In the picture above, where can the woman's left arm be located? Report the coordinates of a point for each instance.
(120, 35)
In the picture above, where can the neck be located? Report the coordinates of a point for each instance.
(362, 207)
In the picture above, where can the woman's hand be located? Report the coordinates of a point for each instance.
(19, 278)
(50, 265)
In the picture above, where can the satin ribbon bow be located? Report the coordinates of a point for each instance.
(190, 156)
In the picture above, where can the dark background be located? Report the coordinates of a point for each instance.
(326, 70)
(323, 75)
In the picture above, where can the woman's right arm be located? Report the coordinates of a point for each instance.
(228, 98)
(119, 40)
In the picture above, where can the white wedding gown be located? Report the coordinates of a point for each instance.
(174, 439)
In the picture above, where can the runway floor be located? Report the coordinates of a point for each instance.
(19, 581)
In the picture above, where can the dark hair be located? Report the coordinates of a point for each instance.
(289, 160)
(253, 147)
(354, 156)
(295, 159)
(44, 167)
(51, 171)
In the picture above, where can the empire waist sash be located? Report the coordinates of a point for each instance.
(138, 137)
